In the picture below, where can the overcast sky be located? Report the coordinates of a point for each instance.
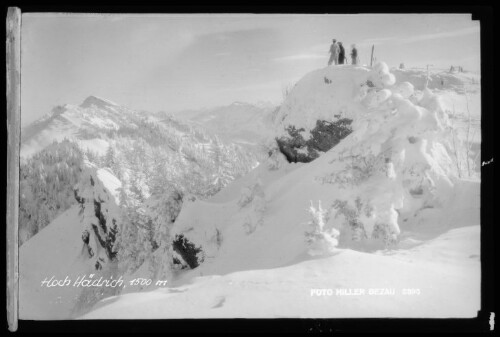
(173, 62)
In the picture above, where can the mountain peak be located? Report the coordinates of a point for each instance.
(97, 101)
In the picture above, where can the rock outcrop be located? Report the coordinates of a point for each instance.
(321, 108)
(99, 214)
(324, 136)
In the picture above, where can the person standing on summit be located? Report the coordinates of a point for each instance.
(341, 53)
(354, 54)
(334, 51)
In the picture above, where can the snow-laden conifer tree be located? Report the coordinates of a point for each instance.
(321, 241)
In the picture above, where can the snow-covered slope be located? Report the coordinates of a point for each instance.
(321, 108)
(68, 248)
(386, 208)
(52, 252)
(439, 79)
(441, 279)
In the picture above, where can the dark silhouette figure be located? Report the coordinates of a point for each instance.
(354, 54)
(341, 53)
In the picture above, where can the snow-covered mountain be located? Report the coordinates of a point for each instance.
(84, 123)
(366, 206)
(242, 123)
(134, 145)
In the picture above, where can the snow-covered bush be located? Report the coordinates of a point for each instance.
(321, 241)
(358, 169)
(405, 89)
(351, 217)
(363, 221)
(380, 75)
(385, 232)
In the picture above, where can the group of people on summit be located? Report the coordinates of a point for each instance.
(337, 54)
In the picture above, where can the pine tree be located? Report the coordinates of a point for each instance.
(110, 157)
(320, 240)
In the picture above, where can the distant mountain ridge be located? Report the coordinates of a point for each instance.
(239, 122)
(80, 123)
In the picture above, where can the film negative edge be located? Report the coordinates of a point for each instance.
(13, 68)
